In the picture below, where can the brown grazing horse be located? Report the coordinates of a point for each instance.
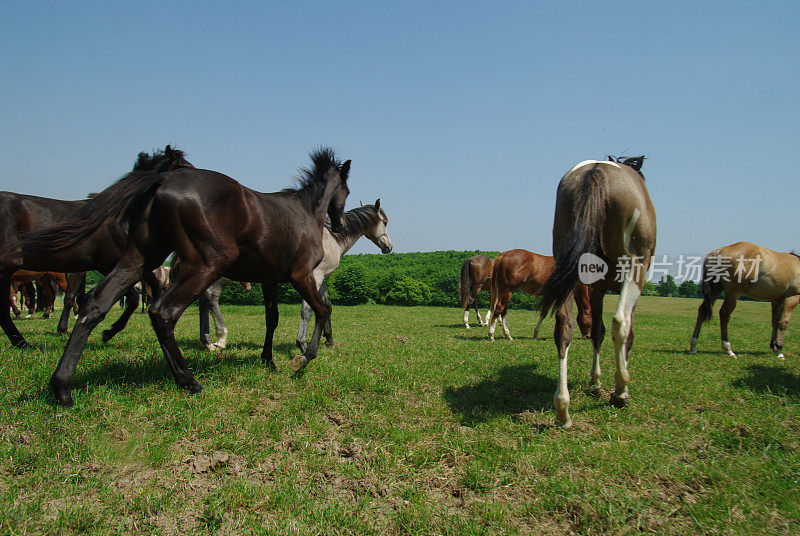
(22, 214)
(757, 272)
(28, 298)
(603, 215)
(217, 227)
(521, 269)
(476, 275)
(45, 299)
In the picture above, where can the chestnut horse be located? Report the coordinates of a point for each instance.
(521, 269)
(603, 215)
(757, 272)
(48, 281)
(217, 227)
(22, 214)
(476, 275)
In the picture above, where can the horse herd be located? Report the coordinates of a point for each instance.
(219, 230)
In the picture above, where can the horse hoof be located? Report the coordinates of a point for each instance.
(329, 343)
(781, 357)
(270, 365)
(618, 401)
(466, 326)
(194, 388)
(107, 336)
(218, 346)
(565, 425)
(593, 390)
(20, 344)
(691, 352)
(298, 363)
(62, 394)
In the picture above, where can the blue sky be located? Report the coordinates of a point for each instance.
(461, 116)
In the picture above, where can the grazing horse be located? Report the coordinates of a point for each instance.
(366, 220)
(476, 275)
(22, 214)
(28, 295)
(521, 269)
(46, 281)
(217, 227)
(762, 274)
(603, 215)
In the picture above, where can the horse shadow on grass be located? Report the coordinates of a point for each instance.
(777, 381)
(512, 391)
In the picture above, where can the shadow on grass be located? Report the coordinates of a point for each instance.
(776, 381)
(512, 391)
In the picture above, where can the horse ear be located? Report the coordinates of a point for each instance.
(634, 162)
(167, 150)
(344, 171)
(378, 204)
(610, 158)
(362, 203)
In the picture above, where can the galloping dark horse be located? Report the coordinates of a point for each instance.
(22, 214)
(602, 209)
(216, 227)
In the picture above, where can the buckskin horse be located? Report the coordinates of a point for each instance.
(217, 227)
(602, 209)
(476, 275)
(522, 269)
(757, 272)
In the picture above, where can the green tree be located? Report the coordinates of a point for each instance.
(408, 291)
(667, 286)
(350, 285)
(689, 289)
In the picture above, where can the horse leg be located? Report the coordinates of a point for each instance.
(787, 307)
(11, 331)
(598, 333)
(99, 301)
(270, 293)
(563, 337)
(704, 313)
(131, 304)
(219, 323)
(621, 328)
(308, 290)
(74, 282)
(499, 309)
(327, 330)
(29, 291)
(205, 328)
(538, 325)
(168, 308)
(724, 317)
(12, 297)
(302, 331)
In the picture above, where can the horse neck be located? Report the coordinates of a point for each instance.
(327, 196)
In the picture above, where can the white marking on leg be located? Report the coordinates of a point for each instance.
(621, 329)
(466, 318)
(595, 372)
(693, 345)
(629, 229)
(726, 347)
(223, 340)
(505, 328)
(492, 328)
(561, 398)
(488, 317)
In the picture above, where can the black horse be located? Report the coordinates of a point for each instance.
(217, 227)
(22, 214)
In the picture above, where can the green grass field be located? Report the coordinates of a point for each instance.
(410, 425)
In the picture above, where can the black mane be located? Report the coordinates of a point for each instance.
(161, 160)
(311, 182)
(357, 222)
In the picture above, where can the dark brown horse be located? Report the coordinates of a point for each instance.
(217, 227)
(22, 214)
(604, 215)
(476, 275)
(527, 271)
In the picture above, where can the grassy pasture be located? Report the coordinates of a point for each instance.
(410, 425)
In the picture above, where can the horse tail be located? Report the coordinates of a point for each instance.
(123, 201)
(585, 236)
(710, 289)
(464, 285)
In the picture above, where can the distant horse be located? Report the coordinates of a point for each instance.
(476, 275)
(28, 298)
(149, 292)
(603, 210)
(22, 214)
(757, 272)
(217, 227)
(521, 269)
(45, 298)
(366, 220)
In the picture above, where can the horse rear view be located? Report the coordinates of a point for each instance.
(603, 209)
(476, 275)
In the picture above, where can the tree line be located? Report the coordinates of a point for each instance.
(429, 278)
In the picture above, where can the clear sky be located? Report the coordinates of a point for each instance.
(462, 116)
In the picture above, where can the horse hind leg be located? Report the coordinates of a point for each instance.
(499, 313)
(131, 304)
(621, 328)
(538, 325)
(11, 331)
(563, 337)
(785, 314)
(724, 317)
(598, 333)
(219, 323)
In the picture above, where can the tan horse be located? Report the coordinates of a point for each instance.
(521, 269)
(603, 213)
(476, 275)
(760, 273)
